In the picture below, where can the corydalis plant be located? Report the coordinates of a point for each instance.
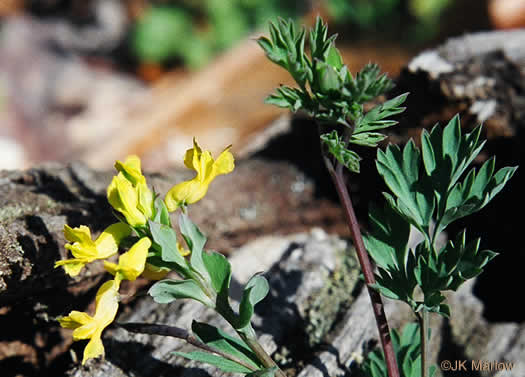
(327, 90)
(203, 276)
(335, 99)
(431, 188)
(407, 347)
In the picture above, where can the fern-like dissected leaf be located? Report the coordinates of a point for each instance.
(368, 84)
(376, 119)
(290, 98)
(286, 48)
(407, 350)
(401, 171)
(428, 191)
(337, 148)
(327, 90)
(474, 192)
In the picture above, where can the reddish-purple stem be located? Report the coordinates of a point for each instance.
(366, 266)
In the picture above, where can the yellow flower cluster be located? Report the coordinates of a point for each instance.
(129, 194)
(207, 169)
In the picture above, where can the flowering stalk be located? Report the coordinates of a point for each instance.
(335, 99)
(177, 332)
(377, 303)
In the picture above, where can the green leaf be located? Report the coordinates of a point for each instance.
(367, 139)
(254, 291)
(166, 291)
(337, 148)
(474, 192)
(319, 43)
(464, 261)
(162, 215)
(267, 372)
(291, 98)
(334, 57)
(220, 362)
(407, 350)
(166, 238)
(285, 47)
(387, 241)
(326, 78)
(369, 84)
(401, 172)
(219, 270)
(375, 119)
(385, 291)
(218, 339)
(447, 153)
(195, 241)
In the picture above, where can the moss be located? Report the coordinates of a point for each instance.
(11, 212)
(326, 307)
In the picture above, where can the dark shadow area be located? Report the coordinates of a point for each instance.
(53, 187)
(28, 319)
(452, 352)
(301, 147)
(499, 226)
(136, 357)
(16, 366)
(276, 305)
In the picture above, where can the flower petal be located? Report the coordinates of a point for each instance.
(107, 301)
(131, 170)
(85, 331)
(192, 156)
(72, 267)
(124, 198)
(94, 348)
(224, 163)
(108, 241)
(187, 192)
(207, 169)
(146, 200)
(80, 234)
(152, 272)
(131, 264)
(74, 320)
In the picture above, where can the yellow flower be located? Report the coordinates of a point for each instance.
(129, 194)
(132, 171)
(207, 169)
(87, 327)
(86, 251)
(152, 272)
(130, 264)
(124, 198)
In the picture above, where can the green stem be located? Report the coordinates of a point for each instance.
(423, 329)
(366, 267)
(176, 332)
(250, 339)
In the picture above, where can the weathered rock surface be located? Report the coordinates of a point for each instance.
(307, 318)
(317, 315)
(481, 76)
(35, 205)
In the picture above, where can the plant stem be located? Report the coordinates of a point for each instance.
(177, 332)
(423, 330)
(366, 267)
(250, 339)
